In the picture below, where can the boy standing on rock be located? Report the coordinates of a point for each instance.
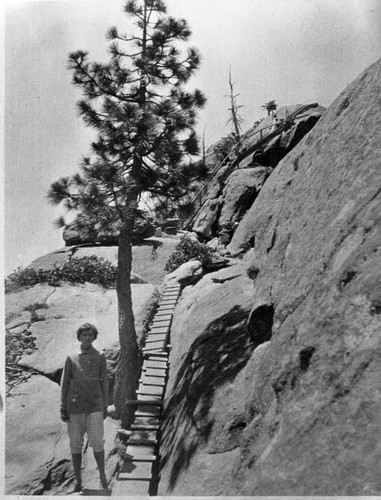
(84, 400)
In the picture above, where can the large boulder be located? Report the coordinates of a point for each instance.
(207, 218)
(242, 187)
(186, 274)
(303, 395)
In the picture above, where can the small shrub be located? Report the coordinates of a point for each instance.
(78, 270)
(186, 250)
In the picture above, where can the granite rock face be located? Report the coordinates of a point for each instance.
(240, 191)
(37, 457)
(233, 189)
(295, 410)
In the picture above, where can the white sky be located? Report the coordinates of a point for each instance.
(293, 51)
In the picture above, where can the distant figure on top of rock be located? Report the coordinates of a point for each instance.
(275, 123)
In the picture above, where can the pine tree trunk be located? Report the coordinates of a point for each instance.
(129, 365)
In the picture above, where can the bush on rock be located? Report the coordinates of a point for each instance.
(186, 250)
(77, 270)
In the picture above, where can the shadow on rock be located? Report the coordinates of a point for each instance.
(214, 359)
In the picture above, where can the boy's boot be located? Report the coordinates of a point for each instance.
(77, 464)
(100, 459)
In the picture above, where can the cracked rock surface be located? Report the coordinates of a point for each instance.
(294, 410)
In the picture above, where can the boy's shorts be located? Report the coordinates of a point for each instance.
(81, 423)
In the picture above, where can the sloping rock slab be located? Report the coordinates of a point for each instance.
(68, 308)
(15, 303)
(205, 400)
(52, 259)
(317, 250)
(35, 436)
(242, 187)
(60, 257)
(37, 454)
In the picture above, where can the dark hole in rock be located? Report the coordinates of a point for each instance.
(347, 278)
(260, 324)
(238, 423)
(375, 307)
(305, 356)
(252, 272)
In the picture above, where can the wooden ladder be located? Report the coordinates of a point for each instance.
(138, 474)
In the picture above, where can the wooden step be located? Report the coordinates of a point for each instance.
(155, 363)
(163, 314)
(155, 373)
(152, 420)
(155, 344)
(159, 329)
(131, 488)
(132, 470)
(135, 402)
(163, 308)
(147, 414)
(158, 355)
(141, 441)
(133, 476)
(155, 337)
(149, 382)
(149, 390)
(160, 365)
(151, 459)
(135, 452)
(160, 323)
(142, 427)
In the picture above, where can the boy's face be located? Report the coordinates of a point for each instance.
(86, 338)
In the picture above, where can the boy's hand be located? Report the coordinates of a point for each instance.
(64, 416)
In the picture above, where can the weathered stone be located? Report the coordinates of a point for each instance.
(35, 436)
(15, 303)
(22, 320)
(210, 347)
(207, 218)
(305, 397)
(186, 274)
(75, 305)
(38, 459)
(240, 192)
(52, 259)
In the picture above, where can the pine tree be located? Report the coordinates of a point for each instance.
(144, 120)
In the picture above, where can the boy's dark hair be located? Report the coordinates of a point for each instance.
(85, 328)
